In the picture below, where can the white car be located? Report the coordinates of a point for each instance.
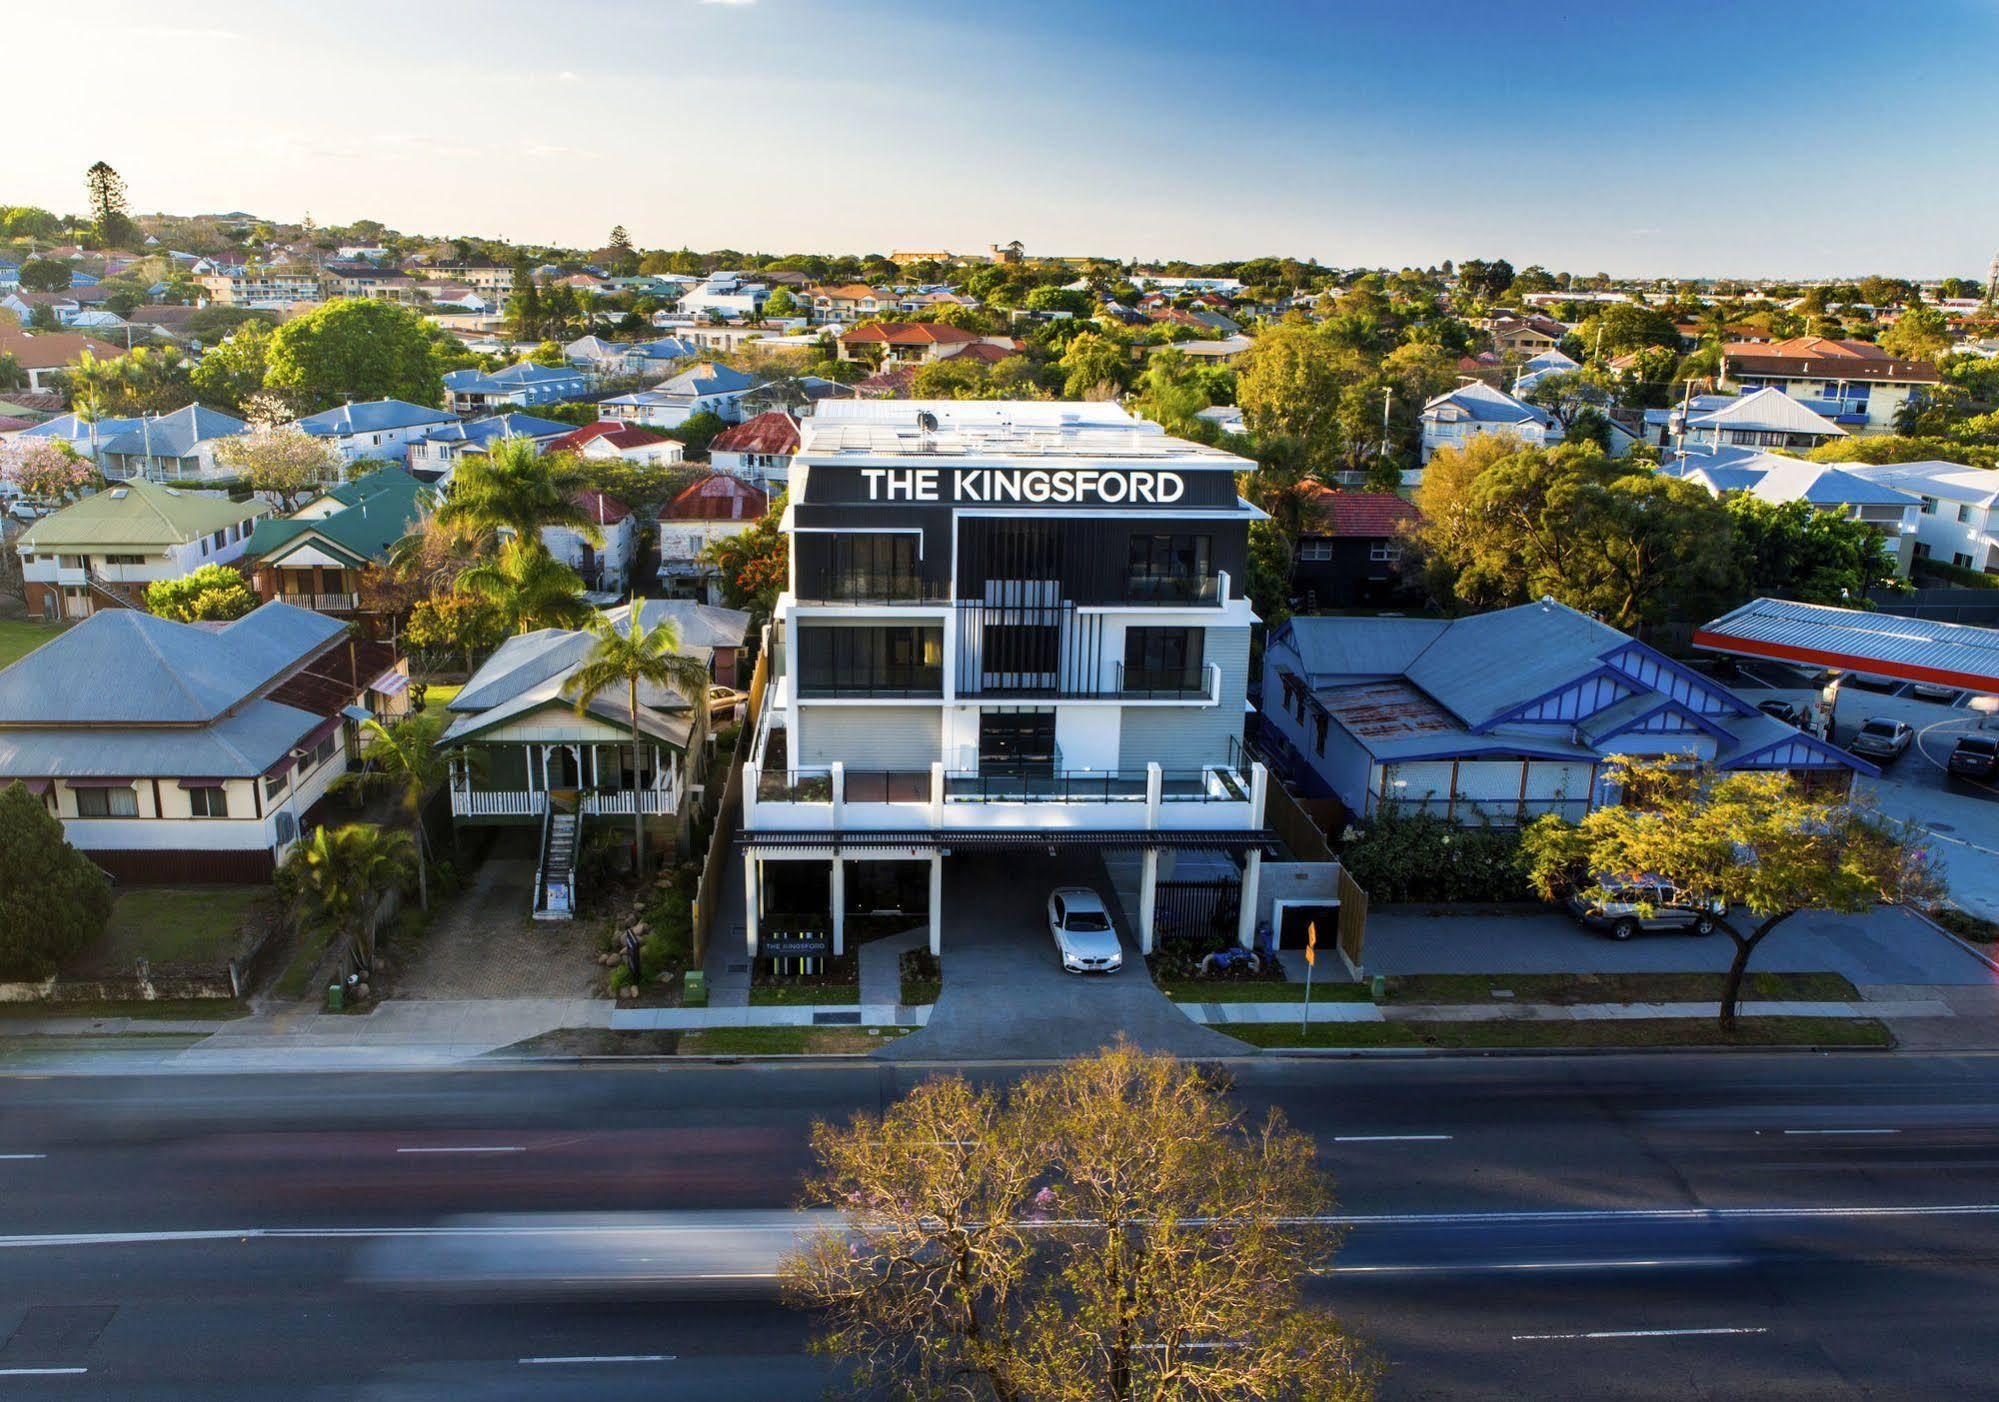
(1084, 936)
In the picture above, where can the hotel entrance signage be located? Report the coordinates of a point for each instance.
(1037, 486)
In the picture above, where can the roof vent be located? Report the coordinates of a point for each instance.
(119, 493)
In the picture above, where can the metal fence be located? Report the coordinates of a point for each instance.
(1197, 910)
(887, 786)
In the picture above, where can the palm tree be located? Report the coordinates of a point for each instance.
(515, 490)
(404, 756)
(652, 655)
(343, 874)
(530, 587)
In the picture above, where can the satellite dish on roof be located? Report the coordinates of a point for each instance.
(926, 421)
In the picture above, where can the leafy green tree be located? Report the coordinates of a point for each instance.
(1920, 333)
(697, 431)
(515, 489)
(357, 348)
(45, 275)
(1269, 584)
(209, 594)
(527, 587)
(1626, 326)
(1171, 391)
(1094, 366)
(450, 623)
(13, 375)
(754, 564)
(639, 655)
(1076, 1235)
(525, 321)
(1289, 387)
(54, 901)
(548, 353)
(145, 380)
(230, 374)
(1750, 840)
(109, 210)
(1790, 550)
(342, 875)
(781, 303)
(403, 757)
(1566, 394)
(26, 221)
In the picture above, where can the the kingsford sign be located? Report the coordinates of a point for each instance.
(1081, 486)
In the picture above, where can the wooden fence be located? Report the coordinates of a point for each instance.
(1353, 919)
(728, 815)
(1283, 814)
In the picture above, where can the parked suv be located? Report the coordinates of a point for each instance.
(1622, 911)
(1976, 757)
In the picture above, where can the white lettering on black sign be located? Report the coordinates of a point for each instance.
(1054, 486)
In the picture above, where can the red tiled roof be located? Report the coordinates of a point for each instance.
(985, 351)
(617, 435)
(605, 511)
(775, 432)
(909, 333)
(1362, 515)
(889, 384)
(1820, 356)
(718, 497)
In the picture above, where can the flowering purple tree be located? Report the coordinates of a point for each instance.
(46, 469)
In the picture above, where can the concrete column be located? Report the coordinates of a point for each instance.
(936, 797)
(836, 888)
(752, 899)
(1148, 896)
(749, 794)
(1155, 785)
(839, 793)
(1252, 869)
(936, 903)
(1259, 793)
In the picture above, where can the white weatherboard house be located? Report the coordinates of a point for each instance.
(381, 428)
(172, 751)
(102, 551)
(1457, 416)
(1012, 633)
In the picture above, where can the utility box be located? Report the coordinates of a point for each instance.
(336, 997)
(694, 989)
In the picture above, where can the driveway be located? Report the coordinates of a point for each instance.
(486, 943)
(1886, 945)
(1005, 996)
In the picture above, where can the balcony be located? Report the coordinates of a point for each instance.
(529, 803)
(1195, 683)
(1176, 591)
(918, 684)
(873, 589)
(322, 603)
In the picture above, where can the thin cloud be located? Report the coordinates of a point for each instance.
(728, 2)
(184, 32)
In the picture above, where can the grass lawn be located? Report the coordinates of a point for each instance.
(1196, 990)
(915, 991)
(1569, 989)
(191, 926)
(1634, 1032)
(20, 636)
(803, 995)
(438, 696)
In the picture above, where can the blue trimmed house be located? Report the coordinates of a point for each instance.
(519, 386)
(1501, 717)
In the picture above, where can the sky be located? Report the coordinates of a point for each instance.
(1634, 137)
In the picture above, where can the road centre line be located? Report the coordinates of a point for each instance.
(20, 1158)
(1842, 1131)
(1635, 1334)
(41, 1372)
(468, 1149)
(600, 1358)
(1391, 1138)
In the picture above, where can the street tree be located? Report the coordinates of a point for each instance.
(1113, 1228)
(1792, 550)
(637, 655)
(357, 348)
(279, 460)
(1753, 841)
(47, 469)
(1290, 386)
(211, 593)
(53, 900)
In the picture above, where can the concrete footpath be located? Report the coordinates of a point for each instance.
(1224, 1014)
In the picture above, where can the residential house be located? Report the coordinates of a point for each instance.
(711, 509)
(1854, 383)
(605, 564)
(164, 322)
(1523, 337)
(484, 275)
(758, 450)
(523, 755)
(912, 342)
(459, 296)
(1823, 487)
(630, 442)
(1501, 717)
(854, 301)
(10, 275)
(361, 278)
(727, 296)
(1541, 367)
(102, 552)
(83, 436)
(434, 457)
(520, 386)
(380, 428)
(702, 389)
(1764, 418)
(273, 287)
(1350, 549)
(1957, 513)
(62, 308)
(188, 752)
(1457, 416)
(169, 447)
(44, 355)
(315, 558)
(647, 359)
(1226, 351)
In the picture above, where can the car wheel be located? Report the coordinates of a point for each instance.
(1704, 925)
(1624, 929)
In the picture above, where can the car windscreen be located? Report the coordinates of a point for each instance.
(1879, 727)
(1979, 745)
(1085, 920)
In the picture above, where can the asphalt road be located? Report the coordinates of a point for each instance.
(1724, 1226)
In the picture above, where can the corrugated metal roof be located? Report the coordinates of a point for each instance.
(1910, 649)
(139, 513)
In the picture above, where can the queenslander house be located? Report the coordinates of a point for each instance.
(184, 752)
(522, 755)
(1014, 640)
(1501, 717)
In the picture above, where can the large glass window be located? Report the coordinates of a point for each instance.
(1168, 567)
(870, 661)
(872, 567)
(1163, 659)
(107, 803)
(208, 803)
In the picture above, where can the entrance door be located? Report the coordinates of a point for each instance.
(1291, 930)
(1017, 742)
(563, 770)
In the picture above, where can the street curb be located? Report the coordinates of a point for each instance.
(1431, 1053)
(1959, 940)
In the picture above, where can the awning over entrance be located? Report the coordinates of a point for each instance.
(850, 840)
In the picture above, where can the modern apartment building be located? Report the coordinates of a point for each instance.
(1012, 631)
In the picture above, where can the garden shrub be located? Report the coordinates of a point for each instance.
(1400, 857)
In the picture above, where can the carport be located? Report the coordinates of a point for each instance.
(1961, 656)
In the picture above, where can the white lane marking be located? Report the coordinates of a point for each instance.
(20, 1158)
(1842, 1131)
(41, 1372)
(602, 1358)
(1390, 1138)
(1634, 1263)
(1636, 1334)
(469, 1149)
